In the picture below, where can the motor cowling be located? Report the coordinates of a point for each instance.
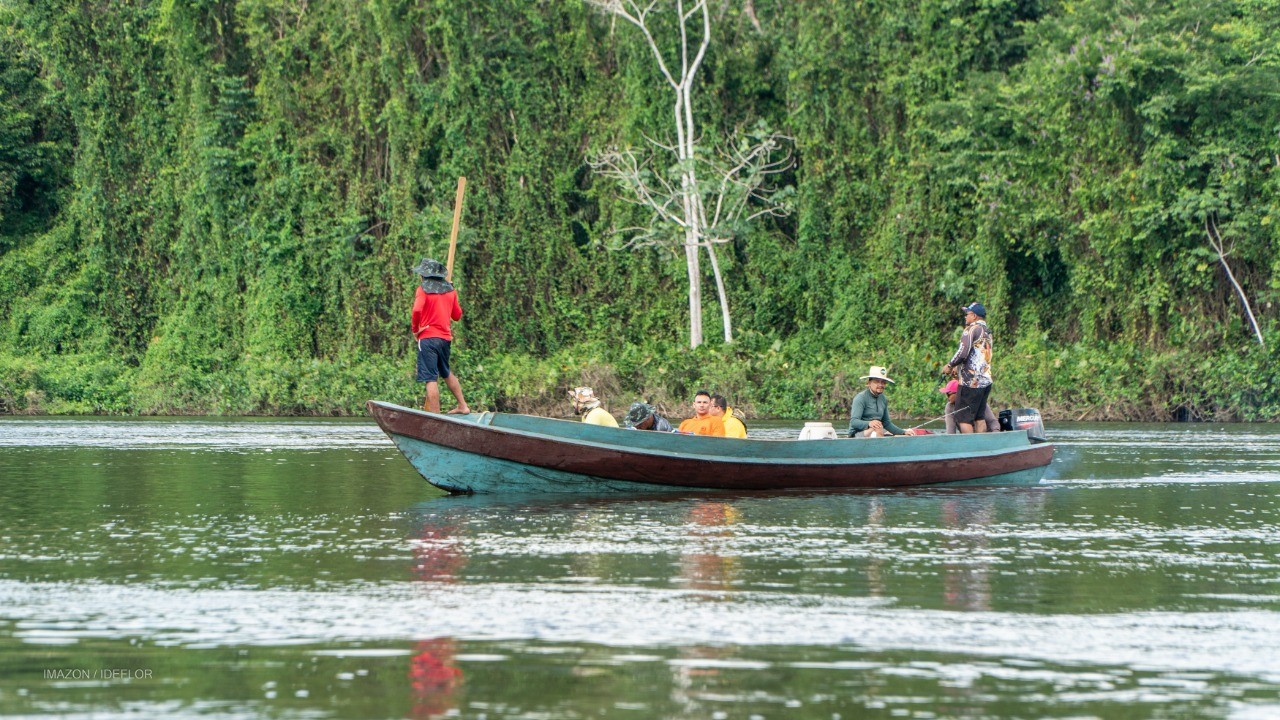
(1023, 419)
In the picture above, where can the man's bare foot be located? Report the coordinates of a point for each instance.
(462, 410)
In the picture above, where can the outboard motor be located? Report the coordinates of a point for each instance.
(1023, 419)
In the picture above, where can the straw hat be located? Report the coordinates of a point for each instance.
(878, 373)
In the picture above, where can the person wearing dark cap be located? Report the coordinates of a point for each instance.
(973, 363)
(435, 308)
(643, 416)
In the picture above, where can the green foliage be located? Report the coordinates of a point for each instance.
(34, 142)
(213, 205)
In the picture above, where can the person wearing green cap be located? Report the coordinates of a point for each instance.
(643, 416)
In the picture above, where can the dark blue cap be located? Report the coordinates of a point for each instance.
(976, 308)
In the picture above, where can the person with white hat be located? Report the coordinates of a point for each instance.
(869, 416)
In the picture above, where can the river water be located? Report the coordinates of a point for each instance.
(302, 569)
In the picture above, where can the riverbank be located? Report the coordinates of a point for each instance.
(1080, 382)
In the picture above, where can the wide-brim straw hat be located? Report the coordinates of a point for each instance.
(878, 373)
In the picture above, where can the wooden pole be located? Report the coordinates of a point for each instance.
(453, 236)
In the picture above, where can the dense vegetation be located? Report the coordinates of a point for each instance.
(212, 206)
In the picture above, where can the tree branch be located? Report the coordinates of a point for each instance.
(639, 18)
(1215, 240)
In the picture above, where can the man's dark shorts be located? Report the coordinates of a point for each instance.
(970, 402)
(433, 359)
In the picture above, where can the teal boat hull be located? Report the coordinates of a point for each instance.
(521, 454)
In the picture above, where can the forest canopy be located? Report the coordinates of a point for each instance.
(213, 206)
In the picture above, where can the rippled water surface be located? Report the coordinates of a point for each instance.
(250, 568)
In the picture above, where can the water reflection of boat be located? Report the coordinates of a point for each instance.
(498, 452)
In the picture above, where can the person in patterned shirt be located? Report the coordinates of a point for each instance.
(972, 362)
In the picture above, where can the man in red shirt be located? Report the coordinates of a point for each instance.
(435, 307)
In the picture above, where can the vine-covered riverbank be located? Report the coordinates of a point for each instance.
(213, 207)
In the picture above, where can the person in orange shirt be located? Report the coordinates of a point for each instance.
(703, 422)
(435, 307)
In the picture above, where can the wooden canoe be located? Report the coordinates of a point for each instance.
(505, 453)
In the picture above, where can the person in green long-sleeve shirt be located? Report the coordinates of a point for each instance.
(869, 416)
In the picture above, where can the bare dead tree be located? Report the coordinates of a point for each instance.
(734, 186)
(1215, 241)
(731, 189)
